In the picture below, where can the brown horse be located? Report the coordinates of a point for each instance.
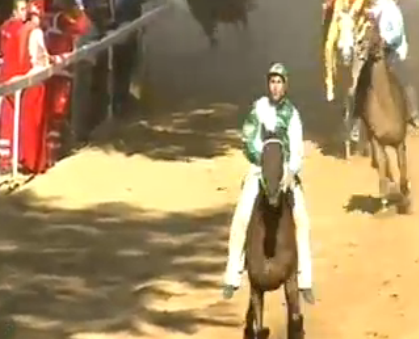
(271, 250)
(381, 104)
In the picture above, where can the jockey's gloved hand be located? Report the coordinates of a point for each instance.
(288, 178)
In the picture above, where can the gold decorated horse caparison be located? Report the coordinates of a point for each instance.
(344, 23)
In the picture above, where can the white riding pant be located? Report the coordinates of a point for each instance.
(241, 220)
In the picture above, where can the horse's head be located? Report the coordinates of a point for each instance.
(346, 41)
(272, 166)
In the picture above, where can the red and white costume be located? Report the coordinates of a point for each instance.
(13, 36)
(33, 122)
(61, 31)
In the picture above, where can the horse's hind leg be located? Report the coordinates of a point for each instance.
(250, 319)
(256, 299)
(382, 161)
(389, 175)
(404, 181)
(295, 317)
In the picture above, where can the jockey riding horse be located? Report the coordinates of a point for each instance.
(344, 26)
(342, 19)
(345, 23)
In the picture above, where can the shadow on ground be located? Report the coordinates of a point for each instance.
(363, 203)
(104, 269)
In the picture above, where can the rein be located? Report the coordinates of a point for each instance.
(273, 141)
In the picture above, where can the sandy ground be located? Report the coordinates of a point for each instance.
(127, 239)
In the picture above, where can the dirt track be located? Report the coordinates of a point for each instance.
(129, 240)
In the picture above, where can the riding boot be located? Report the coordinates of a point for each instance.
(303, 245)
(238, 231)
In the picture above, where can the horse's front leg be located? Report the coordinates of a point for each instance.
(354, 126)
(249, 332)
(256, 297)
(404, 207)
(348, 118)
(295, 316)
(381, 159)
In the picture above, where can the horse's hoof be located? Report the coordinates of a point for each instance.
(299, 335)
(248, 333)
(296, 335)
(404, 206)
(263, 333)
(296, 328)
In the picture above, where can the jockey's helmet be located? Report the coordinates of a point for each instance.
(278, 69)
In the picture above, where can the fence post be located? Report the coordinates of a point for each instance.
(110, 84)
(16, 134)
(110, 65)
(1, 146)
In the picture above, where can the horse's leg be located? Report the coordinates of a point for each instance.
(382, 170)
(362, 141)
(368, 148)
(257, 308)
(389, 174)
(295, 317)
(404, 181)
(250, 319)
(357, 127)
(348, 123)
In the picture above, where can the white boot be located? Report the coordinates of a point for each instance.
(238, 232)
(303, 245)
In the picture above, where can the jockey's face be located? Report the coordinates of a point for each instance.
(277, 87)
(20, 10)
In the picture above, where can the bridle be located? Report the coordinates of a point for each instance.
(273, 140)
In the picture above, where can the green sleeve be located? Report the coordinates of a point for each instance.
(249, 134)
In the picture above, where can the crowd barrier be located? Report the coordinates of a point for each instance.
(18, 84)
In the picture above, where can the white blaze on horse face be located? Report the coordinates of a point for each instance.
(346, 40)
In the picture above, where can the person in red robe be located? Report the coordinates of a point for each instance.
(14, 63)
(66, 22)
(33, 123)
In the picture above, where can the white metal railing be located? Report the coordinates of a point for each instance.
(18, 84)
